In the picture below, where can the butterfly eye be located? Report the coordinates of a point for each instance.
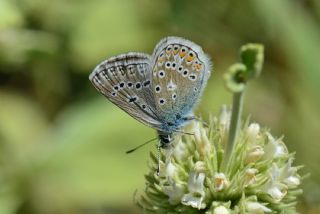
(129, 84)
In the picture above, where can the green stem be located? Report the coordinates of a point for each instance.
(237, 104)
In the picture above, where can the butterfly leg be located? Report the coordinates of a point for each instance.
(159, 156)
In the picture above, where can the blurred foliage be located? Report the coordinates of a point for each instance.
(62, 145)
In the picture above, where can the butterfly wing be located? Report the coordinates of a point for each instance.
(180, 71)
(126, 81)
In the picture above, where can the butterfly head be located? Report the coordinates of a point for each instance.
(165, 139)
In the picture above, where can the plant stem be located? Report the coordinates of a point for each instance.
(237, 105)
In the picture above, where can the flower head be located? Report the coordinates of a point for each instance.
(260, 177)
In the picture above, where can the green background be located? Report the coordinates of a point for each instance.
(62, 145)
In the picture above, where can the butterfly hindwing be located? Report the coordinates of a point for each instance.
(126, 81)
(180, 71)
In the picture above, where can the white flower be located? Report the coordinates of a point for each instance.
(277, 191)
(221, 210)
(175, 192)
(252, 132)
(274, 187)
(196, 191)
(274, 148)
(292, 181)
(250, 176)
(225, 117)
(256, 208)
(199, 167)
(220, 181)
(196, 130)
(170, 170)
(288, 174)
(202, 141)
(167, 169)
(180, 150)
(254, 154)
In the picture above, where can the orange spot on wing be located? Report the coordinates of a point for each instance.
(183, 51)
(190, 58)
(175, 49)
(182, 54)
(161, 59)
(198, 67)
(169, 50)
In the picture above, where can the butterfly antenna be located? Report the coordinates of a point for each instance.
(197, 119)
(203, 122)
(182, 132)
(134, 149)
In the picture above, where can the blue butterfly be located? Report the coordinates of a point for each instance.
(159, 90)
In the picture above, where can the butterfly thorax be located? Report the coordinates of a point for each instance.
(173, 123)
(170, 126)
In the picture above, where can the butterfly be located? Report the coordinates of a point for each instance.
(160, 90)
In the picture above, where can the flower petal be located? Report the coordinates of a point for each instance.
(193, 200)
(221, 210)
(256, 208)
(220, 181)
(175, 192)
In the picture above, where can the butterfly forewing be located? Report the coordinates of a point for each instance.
(180, 71)
(126, 81)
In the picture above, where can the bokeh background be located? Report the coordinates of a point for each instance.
(62, 145)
